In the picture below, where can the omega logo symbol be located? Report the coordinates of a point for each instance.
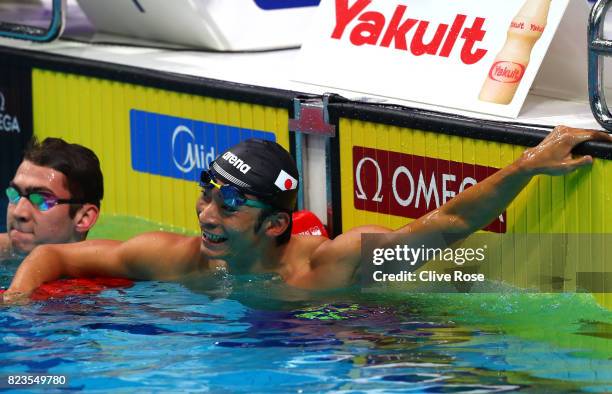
(360, 193)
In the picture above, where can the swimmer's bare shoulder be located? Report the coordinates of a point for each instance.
(4, 246)
(304, 255)
(331, 263)
(160, 255)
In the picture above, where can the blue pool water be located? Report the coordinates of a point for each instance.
(161, 337)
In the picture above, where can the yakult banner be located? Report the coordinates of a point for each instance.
(473, 55)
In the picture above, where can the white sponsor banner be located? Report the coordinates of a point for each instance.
(474, 55)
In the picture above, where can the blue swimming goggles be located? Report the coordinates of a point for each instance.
(43, 201)
(232, 196)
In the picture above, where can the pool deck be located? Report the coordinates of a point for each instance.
(267, 69)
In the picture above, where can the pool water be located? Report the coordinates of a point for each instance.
(254, 334)
(159, 337)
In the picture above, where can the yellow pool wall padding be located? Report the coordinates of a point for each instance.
(96, 113)
(577, 203)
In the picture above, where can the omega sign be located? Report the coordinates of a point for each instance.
(8, 123)
(410, 186)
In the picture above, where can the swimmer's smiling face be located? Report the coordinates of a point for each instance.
(227, 233)
(27, 226)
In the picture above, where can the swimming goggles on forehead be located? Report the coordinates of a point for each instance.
(43, 201)
(231, 195)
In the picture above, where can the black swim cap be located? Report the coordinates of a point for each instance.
(262, 168)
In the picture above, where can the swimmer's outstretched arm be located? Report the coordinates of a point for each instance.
(334, 263)
(150, 256)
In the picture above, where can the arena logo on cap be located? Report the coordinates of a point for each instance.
(285, 181)
(236, 162)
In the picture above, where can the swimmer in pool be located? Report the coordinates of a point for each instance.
(244, 212)
(54, 197)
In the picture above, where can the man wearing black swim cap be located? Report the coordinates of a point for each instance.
(244, 212)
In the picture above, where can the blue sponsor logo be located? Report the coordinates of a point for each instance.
(280, 4)
(178, 147)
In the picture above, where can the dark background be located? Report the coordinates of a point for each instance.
(16, 87)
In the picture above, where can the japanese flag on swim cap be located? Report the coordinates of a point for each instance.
(262, 168)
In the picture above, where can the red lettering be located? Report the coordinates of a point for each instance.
(506, 72)
(345, 14)
(453, 35)
(396, 32)
(472, 35)
(369, 31)
(418, 48)
(517, 25)
(372, 24)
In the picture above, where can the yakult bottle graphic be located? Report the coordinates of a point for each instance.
(511, 62)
